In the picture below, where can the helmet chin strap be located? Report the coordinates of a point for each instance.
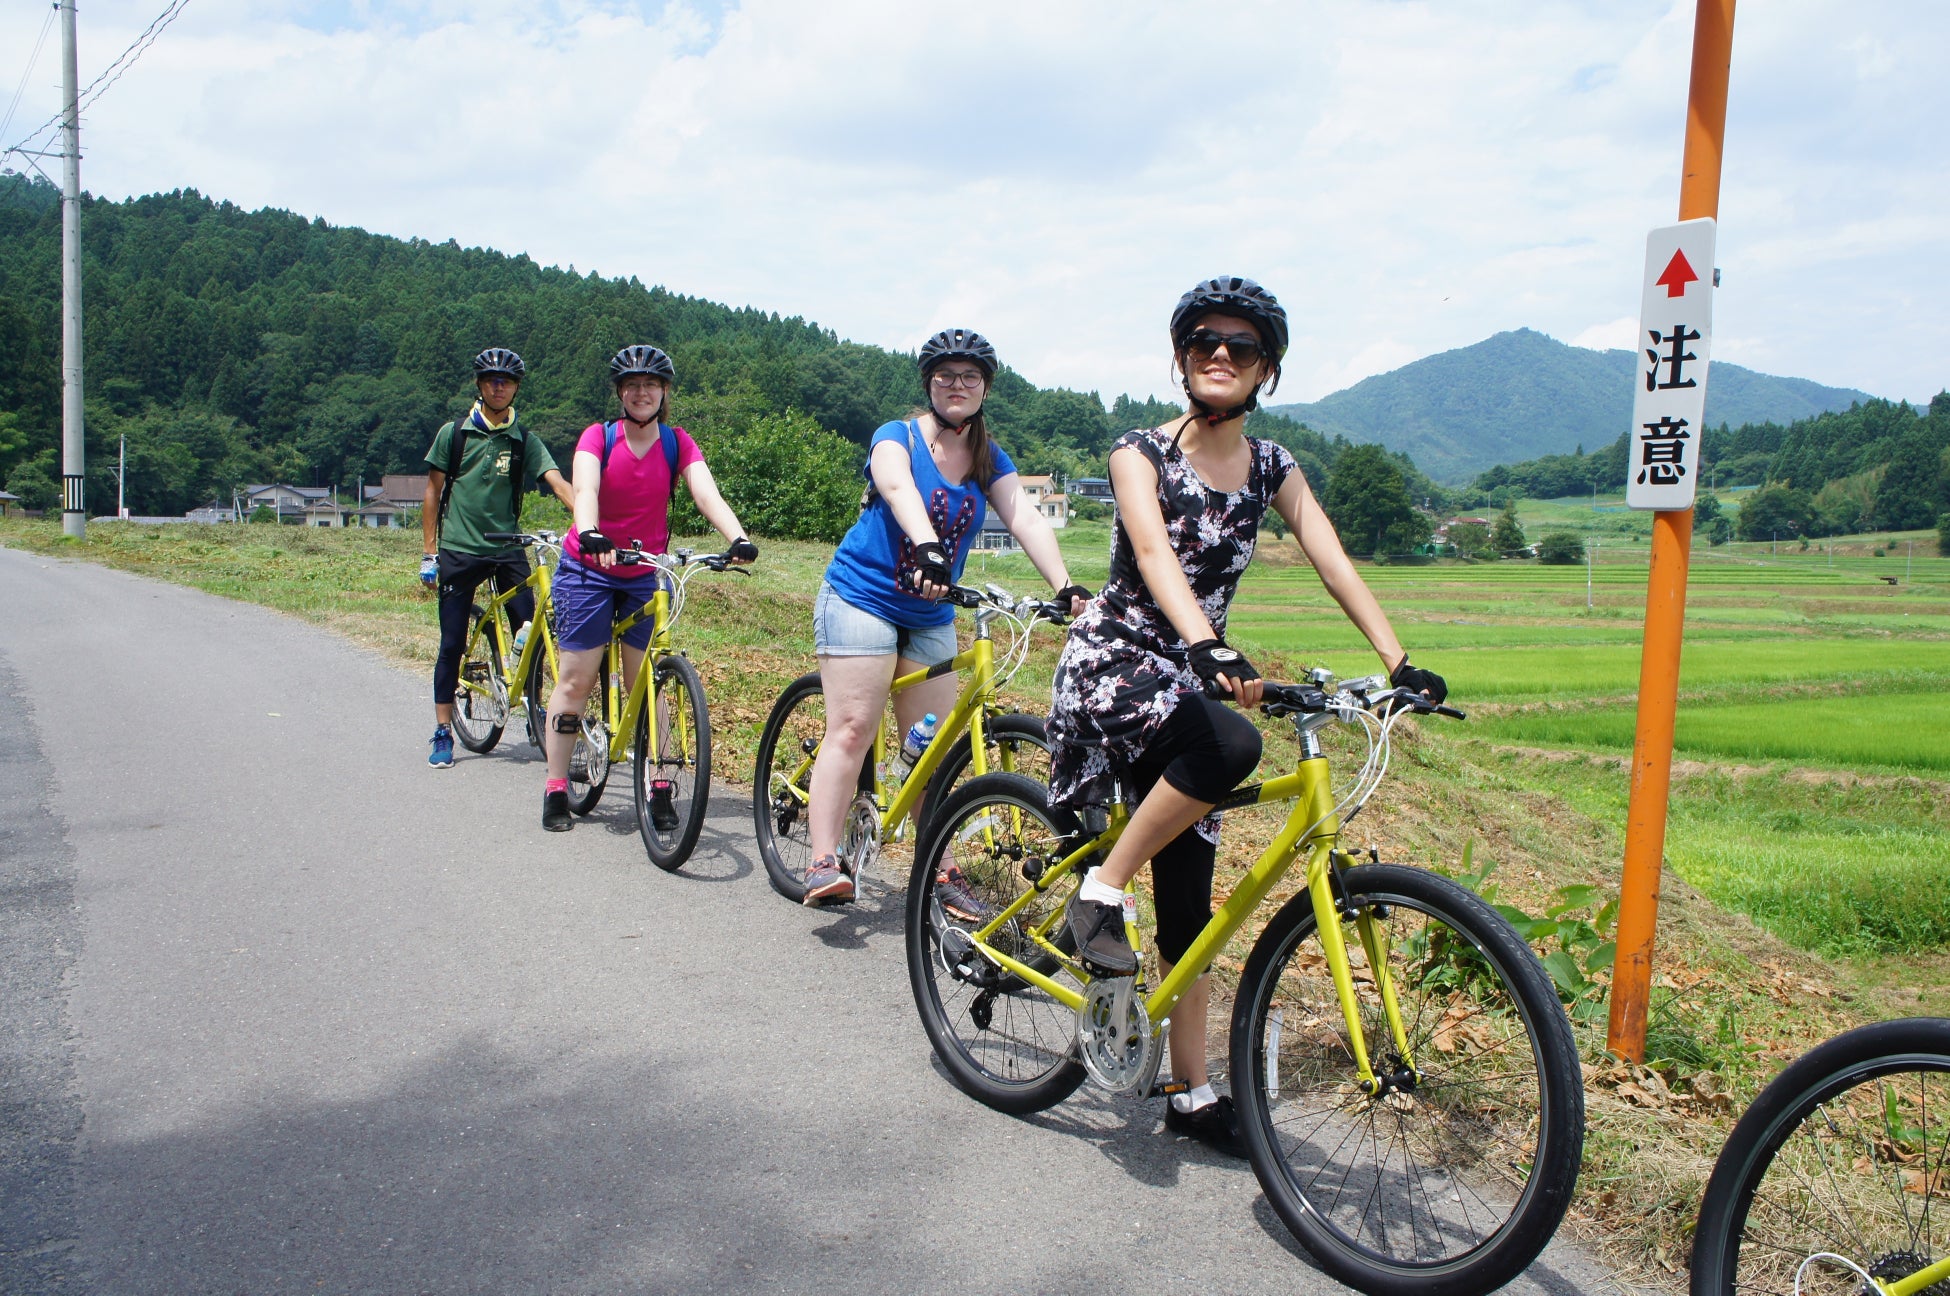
(941, 420)
(1214, 417)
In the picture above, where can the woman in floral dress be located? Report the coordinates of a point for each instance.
(1137, 689)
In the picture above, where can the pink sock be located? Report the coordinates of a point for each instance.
(557, 785)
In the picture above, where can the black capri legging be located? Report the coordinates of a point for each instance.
(1205, 748)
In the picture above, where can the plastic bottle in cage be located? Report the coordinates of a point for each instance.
(918, 737)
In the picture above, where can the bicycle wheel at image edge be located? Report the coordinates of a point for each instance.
(1002, 1041)
(1451, 1181)
(1845, 1153)
(538, 689)
(481, 701)
(680, 767)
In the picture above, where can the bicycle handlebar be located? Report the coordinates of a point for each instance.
(967, 596)
(1368, 694)
(523, 537)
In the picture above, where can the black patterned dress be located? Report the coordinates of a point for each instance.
(1123, 668)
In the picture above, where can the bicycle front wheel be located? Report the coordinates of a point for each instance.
(1451, 1179)
(481, 701)
(1846, 1154)
(540, 687)
(1004, 1042)
(673, 782)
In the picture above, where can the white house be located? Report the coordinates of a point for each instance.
(1040, 490)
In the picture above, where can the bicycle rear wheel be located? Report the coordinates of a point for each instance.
(481, 701)
(782, 784)
(1846, 1153)
(1004, 1042)
(589, 758)
(538, 689)
(1452, 1179)
(680, 768)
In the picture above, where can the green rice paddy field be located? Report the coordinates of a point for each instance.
(1814, 721)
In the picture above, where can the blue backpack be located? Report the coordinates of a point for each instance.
(668, 437)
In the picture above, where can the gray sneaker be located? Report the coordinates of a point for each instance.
(827, 883)
(1098, 930)
(957, 899)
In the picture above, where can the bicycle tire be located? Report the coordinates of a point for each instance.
(1003, 1042)
(792, 732)
(479, 721)
(1764, 1213)
(538, 688)
(585, 787)
(1493, 1124)
(684, 761)
(1016, 744)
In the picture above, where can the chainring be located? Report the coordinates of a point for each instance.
(593, 748)
(1114, 1036)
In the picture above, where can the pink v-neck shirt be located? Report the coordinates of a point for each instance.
(633, 502)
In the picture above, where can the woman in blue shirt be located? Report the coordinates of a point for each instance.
(878, 610)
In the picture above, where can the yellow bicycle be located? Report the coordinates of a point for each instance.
(492, 683)
(1405, 1077)
(977, 734)
(660, 724)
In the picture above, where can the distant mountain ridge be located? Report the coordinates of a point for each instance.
(1522, 394)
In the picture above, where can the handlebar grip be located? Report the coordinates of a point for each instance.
(509, 536)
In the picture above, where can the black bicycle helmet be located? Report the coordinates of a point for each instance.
(1233, 296)
(958, 344)
(641, 359)
(499, 360)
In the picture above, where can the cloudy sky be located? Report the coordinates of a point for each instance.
(1408, 177)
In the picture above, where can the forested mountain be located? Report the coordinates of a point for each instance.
(1521, 395)
(1879, 466)
(234, 346)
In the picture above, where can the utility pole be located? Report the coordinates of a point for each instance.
(1589, 545)
(74, 508)
(121, 475)
(1908, 558)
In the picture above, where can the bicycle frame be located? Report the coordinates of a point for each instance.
(540, 638)
(1920, 1281)
(621, 711)
(1311, 827)
(970, 713)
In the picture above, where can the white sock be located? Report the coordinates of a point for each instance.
(1100, 892)
(1194, 1099)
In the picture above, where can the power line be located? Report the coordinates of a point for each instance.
(113, 72)
(28, 71)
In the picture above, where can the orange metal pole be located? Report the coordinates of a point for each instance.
(1665, 599)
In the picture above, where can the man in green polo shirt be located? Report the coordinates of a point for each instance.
(485, 497)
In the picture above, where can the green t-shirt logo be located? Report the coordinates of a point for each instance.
(501, 463)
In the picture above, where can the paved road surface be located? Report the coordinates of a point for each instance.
(283, 1010)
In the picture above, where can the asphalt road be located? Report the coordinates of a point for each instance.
(281, 1009)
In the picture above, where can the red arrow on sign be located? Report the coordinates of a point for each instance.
(1677, 274)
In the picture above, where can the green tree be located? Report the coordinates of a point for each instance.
(1943, 536)
(1719, 530)
(787, 477)
(1560, 548)
(1506, 536)
(1470, 538)
(35, 484)
(1776, 511)
(1907, 497)
(1368, 500)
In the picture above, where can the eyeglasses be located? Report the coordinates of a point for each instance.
(943, 378)
(1243, 348)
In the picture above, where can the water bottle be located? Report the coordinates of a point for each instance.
(521, 639)
(916, 742)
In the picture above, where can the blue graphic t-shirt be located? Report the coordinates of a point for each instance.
(873, 569)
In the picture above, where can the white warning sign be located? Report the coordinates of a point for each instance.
(1675, 338)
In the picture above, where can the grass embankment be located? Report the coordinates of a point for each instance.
(1809, 800)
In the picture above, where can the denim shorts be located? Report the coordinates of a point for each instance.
(842, 630)
(588, 601)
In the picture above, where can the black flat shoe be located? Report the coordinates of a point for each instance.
(1216, 1125)
(555, 812)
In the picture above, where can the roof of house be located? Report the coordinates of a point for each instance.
(305, 492)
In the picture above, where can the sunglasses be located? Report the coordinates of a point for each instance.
(1243, 348)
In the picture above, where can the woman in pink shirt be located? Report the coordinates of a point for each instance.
(623, 476)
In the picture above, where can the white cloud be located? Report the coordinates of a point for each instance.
(1620, 334)
(1407, 177)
